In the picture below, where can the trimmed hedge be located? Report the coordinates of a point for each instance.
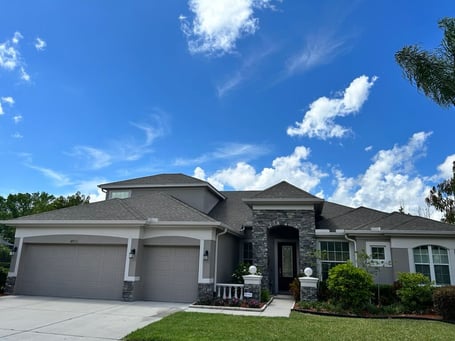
(444, 302)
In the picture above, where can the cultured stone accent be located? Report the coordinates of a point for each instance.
(9, 285)
(308, 294)
(128, 291)
(302, 220)
(205, 291)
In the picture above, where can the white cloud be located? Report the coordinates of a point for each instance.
(59, 179)
(227, 151)
(17, 118)
(217, 25)
(293, 168)
(446, 168)
(24, 75)
(389, 182)
(17, 136)
(96, 158)
(8, 100)
(368, 148)
(9, 56)
(319, 120)
(90, 188)
(17, 37)
(319, 49)
(40, 44)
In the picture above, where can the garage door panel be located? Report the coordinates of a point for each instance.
(89, 271)
(171, 273)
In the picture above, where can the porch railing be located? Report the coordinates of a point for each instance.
(229, 291)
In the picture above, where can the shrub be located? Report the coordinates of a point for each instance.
(294, 289)
(254, 304)
(387, 294)
(265, 295)
(323, 291)
(415, 293)
(444, 302)
(235, 302)
(3, 275)
(350, 286)
(239, 272)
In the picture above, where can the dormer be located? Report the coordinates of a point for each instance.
(194, 192)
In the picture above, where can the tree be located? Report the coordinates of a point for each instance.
(442, 197)
(22, 204)
(433, 72)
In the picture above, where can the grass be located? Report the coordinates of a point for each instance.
(203, 326)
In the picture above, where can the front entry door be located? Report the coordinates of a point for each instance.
(287, 267)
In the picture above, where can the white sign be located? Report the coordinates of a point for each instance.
(248, 294)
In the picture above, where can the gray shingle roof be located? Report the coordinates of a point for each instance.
(156, 180)
(151, 205)
(284, 190)
(233, 211)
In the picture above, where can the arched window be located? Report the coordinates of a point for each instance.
(433, 261)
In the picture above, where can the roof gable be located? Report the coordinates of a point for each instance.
(284, 190)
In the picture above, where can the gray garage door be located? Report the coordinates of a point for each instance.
(87, 271)
(171, 273)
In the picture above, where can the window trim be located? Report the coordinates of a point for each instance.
(112, 191)
(431, 263)
(320, 261)
(387, 254)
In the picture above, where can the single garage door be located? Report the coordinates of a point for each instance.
(171, 273)
(86, 271)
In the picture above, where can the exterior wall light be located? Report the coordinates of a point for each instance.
(206, 255)
(13, 251)
(132, 253)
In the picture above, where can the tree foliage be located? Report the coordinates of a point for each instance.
(433, 72)
(22, 204)
(442, 197)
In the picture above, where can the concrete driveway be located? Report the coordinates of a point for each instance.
(52, 318)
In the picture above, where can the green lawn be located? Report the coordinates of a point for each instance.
(201, 326)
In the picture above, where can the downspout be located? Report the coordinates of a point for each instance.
(355, 248)
(216, 257)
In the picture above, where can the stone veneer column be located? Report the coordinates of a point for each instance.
(302, 220)
(9, 285)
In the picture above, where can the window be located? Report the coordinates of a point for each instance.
(379, 254)
(332, 254)
(248, 253)
(433, 261)
(119, 194)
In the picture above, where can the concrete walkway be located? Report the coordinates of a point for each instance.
(280, 307)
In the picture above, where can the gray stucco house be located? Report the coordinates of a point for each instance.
(172, 237)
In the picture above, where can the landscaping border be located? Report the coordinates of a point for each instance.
(221, 307)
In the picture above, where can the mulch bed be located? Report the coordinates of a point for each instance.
(428, 317)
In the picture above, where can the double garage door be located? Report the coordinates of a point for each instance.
(87, 271)
(169, 273)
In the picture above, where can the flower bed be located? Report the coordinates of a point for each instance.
(232, 304)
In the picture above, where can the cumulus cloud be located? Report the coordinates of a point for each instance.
(217, 25)
(17, 37)
(9, 54)
(446, 168)
(319, 120)
(293, 168)
(24, 75)
(40, 44)
(389, 182)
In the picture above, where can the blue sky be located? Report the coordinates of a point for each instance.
(242, 93)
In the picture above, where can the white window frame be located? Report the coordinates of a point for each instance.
(387, 262)
(431, 262)
(118, 191)
(320, 261)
